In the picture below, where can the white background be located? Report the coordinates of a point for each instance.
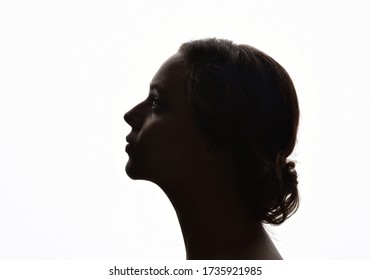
(69, 70)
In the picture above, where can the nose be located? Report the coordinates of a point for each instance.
(134, 117)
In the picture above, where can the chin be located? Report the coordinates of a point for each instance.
(153, 173)
(131, 172)
(134, 172)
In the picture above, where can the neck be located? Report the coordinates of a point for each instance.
(214, 218)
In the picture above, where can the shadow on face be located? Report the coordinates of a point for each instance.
(165, 143)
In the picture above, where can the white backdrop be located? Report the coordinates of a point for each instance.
(69, 70)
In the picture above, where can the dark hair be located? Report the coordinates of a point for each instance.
(245, 102)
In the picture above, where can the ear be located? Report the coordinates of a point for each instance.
(213, 154)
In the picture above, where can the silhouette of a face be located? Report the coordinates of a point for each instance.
(165, 142)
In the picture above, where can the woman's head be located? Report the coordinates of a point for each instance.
(232, 98)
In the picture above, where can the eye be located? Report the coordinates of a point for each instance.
(156, 104)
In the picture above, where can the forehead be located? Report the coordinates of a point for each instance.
(172, 74)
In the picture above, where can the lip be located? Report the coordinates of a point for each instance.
(129, 148)
(130, 141)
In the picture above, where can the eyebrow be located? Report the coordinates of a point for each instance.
(157, 87)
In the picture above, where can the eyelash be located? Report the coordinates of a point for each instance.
(156, 104)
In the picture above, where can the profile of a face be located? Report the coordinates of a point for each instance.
(214, 134)
(165, 142)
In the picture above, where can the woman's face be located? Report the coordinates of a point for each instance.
(165, 143)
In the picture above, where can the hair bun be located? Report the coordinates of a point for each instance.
(285, 201)
(289, 174)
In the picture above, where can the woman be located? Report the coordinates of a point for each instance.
(214, 134)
